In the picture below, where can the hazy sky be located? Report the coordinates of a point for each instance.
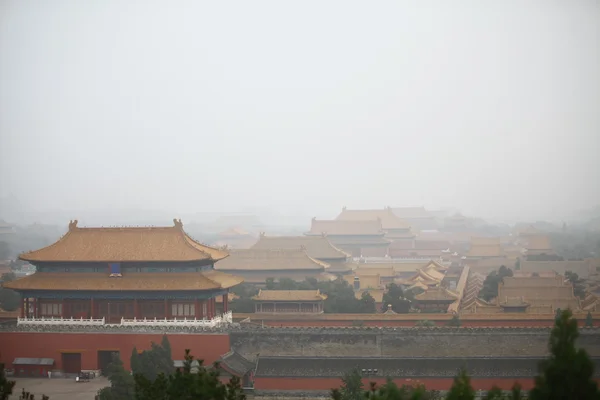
(489, 106)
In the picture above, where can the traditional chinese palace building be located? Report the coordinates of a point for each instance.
(360, 238)
(317, 247)
(124, 276)
(395, 229)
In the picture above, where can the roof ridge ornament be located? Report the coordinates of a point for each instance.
(178, 223)
(73, 224)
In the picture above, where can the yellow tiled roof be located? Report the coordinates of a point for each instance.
(290, 295)
(388, 219)
(270, 260)
(125, 244)
(134, 281)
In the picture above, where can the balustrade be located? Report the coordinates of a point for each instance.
(59, 321)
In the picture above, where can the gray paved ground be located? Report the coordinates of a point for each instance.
(59, 389)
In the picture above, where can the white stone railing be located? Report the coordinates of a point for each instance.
(219, 320)
(60, 321)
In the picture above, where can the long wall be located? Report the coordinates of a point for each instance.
(375, 342)
(208, 347)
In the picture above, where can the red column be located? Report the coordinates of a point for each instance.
(62, 308)
(225, 305)
(136, 310)
(213, 308)
(166, 309)
(92, 313)
(196, 309)
(23, 307)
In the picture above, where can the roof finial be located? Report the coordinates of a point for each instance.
(178, 223)
(344, 208)
(314, 218)
(72, 224)
(324, 234)
(262, 234)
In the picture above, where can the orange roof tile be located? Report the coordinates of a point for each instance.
(538, 242)
(125, 244)
(377, 294)
(388, 219)
(316, 246)
(346, 227)
(485, 251)
(270, 260)
(134, 281)
(289, 295)
(437, 293)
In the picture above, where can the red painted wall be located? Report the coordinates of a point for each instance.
(50, 345)
(265, 383)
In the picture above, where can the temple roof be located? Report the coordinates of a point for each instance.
(318, 247)
(389, 220)
(235, 363)
(209, 280)
(270, 260)
(290, 295)
(538, 242)
(436, 294)
(127, 244)
(346, 227)
(494, 250)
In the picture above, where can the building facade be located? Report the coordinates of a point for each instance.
(123, 276)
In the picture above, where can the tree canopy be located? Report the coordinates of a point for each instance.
(490, 284)
(9, 299)
(397, 298)
(568, 373)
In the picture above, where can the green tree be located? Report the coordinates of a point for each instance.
(121, 382)
(490, 284)
(568, 373)
(518, 264)
(270, 283)
(578, 284)
(185, 385)
(395, 296)
(589, 321)
(461, 388)
(516, 393)
(454, 321)
(6, 386)
(352, 386)
(495, 393)
(366, 304)
(134, 361)
(158, 360)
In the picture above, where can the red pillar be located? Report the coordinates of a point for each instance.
(166, 309)
(196, 309)
(62, 308)
(136, 309)
(92, 313)
(23, 307)
(225, 305)
(35, 307)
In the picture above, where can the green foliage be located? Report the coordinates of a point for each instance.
(516, 393)
(495, 393)
(244, 302)
(490, 285)
(454, 321)
(121, 382)
(461, 388)
(6, 386)
(396, 297)
(568, 373)
(340, 295)
(352, 386)
(578, 284)
(151, 363)
(589, 321)
(518, 264)
(186, 385)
